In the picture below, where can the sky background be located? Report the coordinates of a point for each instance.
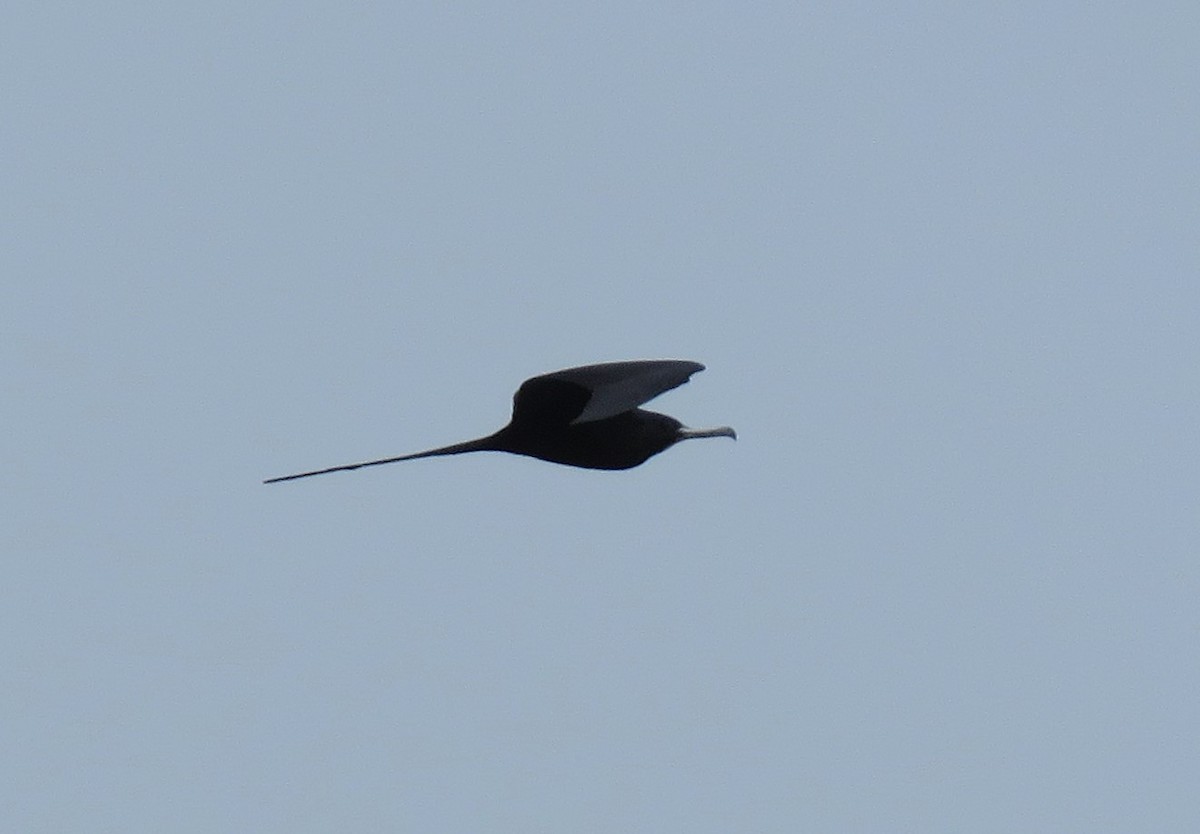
(940, 259)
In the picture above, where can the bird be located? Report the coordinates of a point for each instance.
(586, 417)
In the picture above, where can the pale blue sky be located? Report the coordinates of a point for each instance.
(941, 261)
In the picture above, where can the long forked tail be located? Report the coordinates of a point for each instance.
(481, 444)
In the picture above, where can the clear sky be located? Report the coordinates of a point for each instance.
(942, 263)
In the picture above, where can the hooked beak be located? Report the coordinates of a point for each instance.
(720, 431)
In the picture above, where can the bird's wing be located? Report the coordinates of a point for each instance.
(596, 392)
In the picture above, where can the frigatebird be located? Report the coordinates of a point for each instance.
(586, 417)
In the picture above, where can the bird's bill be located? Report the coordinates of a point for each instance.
(720, 431)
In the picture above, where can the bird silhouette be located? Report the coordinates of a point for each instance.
(586, 417)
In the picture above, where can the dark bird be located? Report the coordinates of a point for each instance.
(586, 417)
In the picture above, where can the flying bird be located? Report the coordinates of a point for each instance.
(587, 417)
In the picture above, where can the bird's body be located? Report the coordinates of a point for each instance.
(619, 442)
(586, 417)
